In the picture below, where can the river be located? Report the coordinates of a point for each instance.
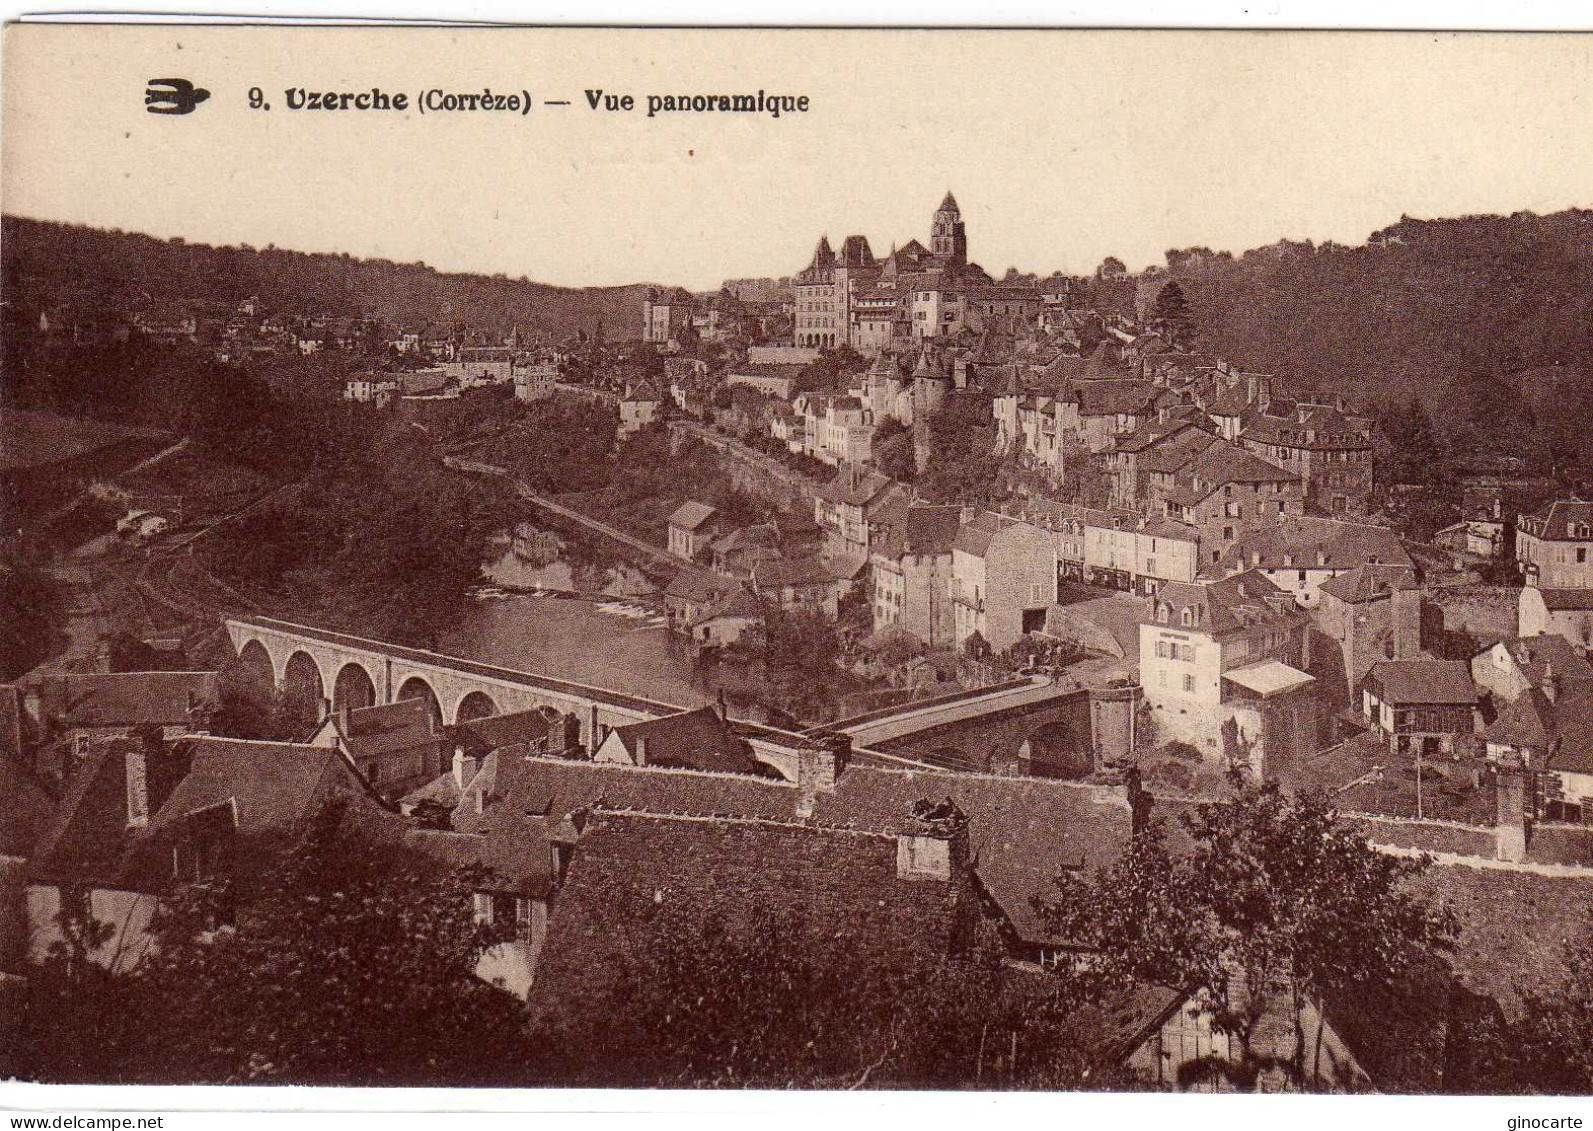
(566, 613)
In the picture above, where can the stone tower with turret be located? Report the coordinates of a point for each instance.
(948, 238)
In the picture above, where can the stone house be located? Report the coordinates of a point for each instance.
(69, 714)
(854, 507)
(141, 817)
(1300, 553)
(803, 584)
(666, 315)
(1422, 707)
(1226, 494)
(638, 408)
(394, 746)
(1360, 617)
(1567, 613)
(701, 739)
(1547, 731)
(692, 527)
(1226, 661)
(1555, 546)
(1329, 449)
(1509, 668)
(692, 594)
(727, 622)
(912, 566)
(1003, 580)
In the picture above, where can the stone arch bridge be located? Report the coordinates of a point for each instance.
(343, 670)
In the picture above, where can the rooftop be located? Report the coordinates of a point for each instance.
(1423, 682)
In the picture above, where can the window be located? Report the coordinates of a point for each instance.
(1185, 617)
(1189, 683)
(1161, 649)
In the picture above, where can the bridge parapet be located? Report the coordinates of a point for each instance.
(396, 671)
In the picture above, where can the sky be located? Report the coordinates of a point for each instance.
(1061, 147)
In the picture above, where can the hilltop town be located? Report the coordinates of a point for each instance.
(1058, 699)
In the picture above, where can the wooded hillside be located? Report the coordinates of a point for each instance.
(1423, 305)
(48, 264)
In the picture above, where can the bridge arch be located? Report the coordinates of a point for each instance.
(418, 687)
(256, 672)
(476, 705)
(303, 689)
(354, 688)
(1055, 750)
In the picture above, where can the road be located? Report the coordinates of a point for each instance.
(597, 526)
(911, 720)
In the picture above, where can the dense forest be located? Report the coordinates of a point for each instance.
(1422, 305)
(51, 264)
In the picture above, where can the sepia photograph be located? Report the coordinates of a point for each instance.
(800, 559)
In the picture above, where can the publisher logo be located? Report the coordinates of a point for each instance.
(173, 96)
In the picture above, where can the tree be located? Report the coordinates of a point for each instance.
(963, 465)
(1548, 1048)
(894, 454)
(1277, 907)
(351, 962)
(771, 1003)
(1171, 318)
(1111, 268)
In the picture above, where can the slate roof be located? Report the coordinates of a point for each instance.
(692, 740)
(977, 533)
(501, 821)
(1422, 682)
(740, 605)
(696, 586)
(1227, 605)
(270, 788)
(1553, 522)
(927, 530)
(480, 737)
(1223, 462)
(1369, 582)
(388, 727)
(1309, 542)
(773, 573)
(1270, 426)
(1022, 831)
(690, 515)
(124, 699)
(856, 488)
(1538, 656)
(1567, 600)
(1110, 397)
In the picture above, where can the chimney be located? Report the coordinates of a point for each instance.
(1550, 683)
(1405, 603)
(1510, 820)
(1301, 412)
(137, 761)
(641, 750)
(933, 844)
(724, 709)
(465, 767)
(342, 719)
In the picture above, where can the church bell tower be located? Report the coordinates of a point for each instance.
(948, 239)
